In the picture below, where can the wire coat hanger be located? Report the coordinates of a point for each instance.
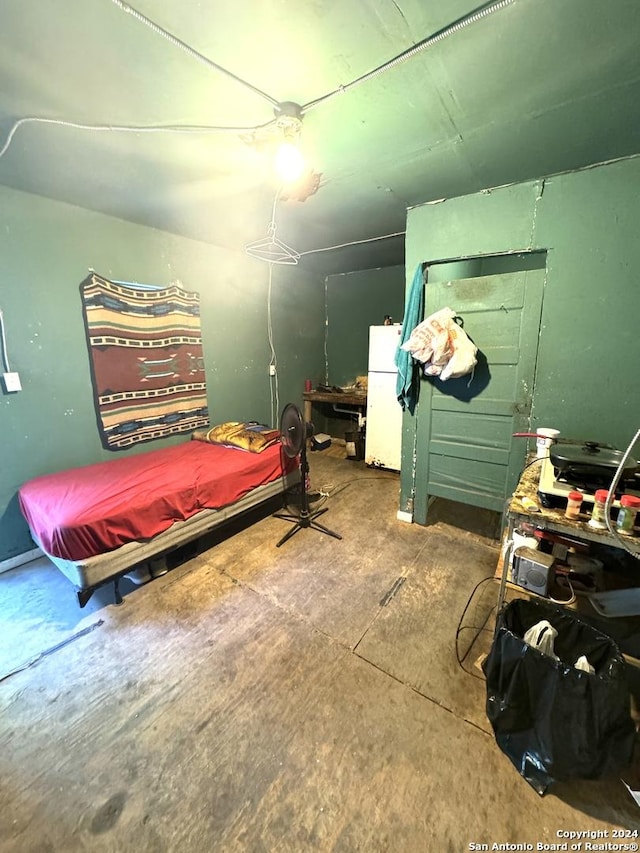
(270, 248)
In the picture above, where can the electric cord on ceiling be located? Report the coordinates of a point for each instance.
(127, 128)
(354, 243)
(283, 254)
(466, 20)
(273, 250)
(192, 52)
(456, 26)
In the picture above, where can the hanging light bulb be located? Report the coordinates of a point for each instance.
(289, 162)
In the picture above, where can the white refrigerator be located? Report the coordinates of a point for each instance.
(384, 415)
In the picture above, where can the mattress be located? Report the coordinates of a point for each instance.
(87, 511)
(92, 571)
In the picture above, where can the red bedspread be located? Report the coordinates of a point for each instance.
(86, 511)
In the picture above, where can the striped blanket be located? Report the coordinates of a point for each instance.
(147, 367)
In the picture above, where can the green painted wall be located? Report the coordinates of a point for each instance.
(46, 249)
(489, 265)
(587, 374)
(355, 301)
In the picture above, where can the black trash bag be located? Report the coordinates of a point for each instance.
(552, 720)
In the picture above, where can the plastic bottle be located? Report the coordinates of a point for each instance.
(574, 502)
(629, 506)
(598, 518)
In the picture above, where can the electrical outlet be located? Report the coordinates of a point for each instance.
(12, 382)
(272, 370)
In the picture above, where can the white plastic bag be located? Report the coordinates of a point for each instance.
(442, 346)
(464, 358)
(583, 664)
(429, 341)
(542, 636)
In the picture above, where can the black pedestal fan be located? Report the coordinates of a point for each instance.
(295, 432)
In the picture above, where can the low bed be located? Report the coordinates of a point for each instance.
(97, 522)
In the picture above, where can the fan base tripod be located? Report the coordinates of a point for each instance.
(304, 521)
(295, 433)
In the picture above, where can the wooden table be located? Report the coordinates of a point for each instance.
(336, 398)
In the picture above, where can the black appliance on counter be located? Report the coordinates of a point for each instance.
(586, 467)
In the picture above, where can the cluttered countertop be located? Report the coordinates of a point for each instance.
(601, 563)
(526, 504)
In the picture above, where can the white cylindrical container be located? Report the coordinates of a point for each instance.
(546, 437)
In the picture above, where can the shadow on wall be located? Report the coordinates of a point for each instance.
(465, 388)
(12, 521)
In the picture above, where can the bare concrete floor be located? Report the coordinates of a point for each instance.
(261, 699)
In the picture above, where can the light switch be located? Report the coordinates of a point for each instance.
(12, 382)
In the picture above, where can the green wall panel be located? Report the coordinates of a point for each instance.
(47, 249)
(588, 381)
(355, 301)
(486, 223)
(587, 371)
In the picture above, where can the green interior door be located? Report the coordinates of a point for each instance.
(465, 450)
